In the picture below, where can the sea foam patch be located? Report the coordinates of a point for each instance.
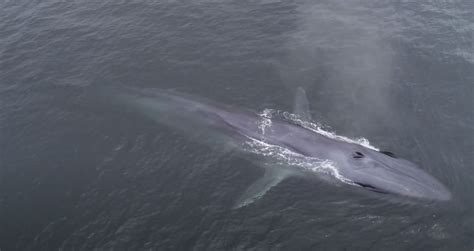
(284, 156)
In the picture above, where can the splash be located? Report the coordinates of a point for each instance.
(268, 114)
(266, 121)
(318, 128)
(284, 156)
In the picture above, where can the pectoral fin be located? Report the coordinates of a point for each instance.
(301, 107)
(271, 178)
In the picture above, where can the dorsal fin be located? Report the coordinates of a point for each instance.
(301, 107)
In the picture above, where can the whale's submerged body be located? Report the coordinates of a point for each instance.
(369, 169)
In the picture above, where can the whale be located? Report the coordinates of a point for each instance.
(365, 168)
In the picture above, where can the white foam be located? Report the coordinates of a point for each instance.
(285, 156)
(266, 121)
(267, 114)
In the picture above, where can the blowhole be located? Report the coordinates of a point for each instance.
(358, 155)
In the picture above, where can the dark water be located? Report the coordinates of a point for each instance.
(78, 173)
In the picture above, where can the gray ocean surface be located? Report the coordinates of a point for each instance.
(78, 173)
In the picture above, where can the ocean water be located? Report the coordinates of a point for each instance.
(78, 173)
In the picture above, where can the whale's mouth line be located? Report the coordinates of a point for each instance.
(371, 188)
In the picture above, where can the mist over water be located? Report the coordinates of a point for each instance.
(343, 53)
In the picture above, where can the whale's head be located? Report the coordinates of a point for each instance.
(385, 173)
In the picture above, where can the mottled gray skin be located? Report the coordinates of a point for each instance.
(361, 166)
